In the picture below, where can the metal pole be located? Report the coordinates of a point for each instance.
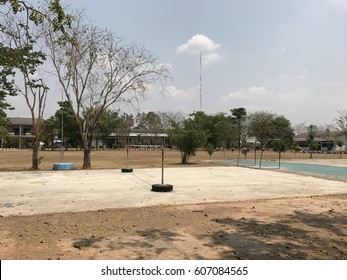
(279, 160)
(255, 152)
(200, 81)
(127, 156)
(162, 165)
(238, 156)
(62, 130)
(261, 156)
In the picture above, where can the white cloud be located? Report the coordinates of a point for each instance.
(209, 58)
(263, 96)
(331, 83)
(197, 43)
(179, 94)
(302, 94)
(300, 76)
(250, 94)
(204, 44)
(290, 103)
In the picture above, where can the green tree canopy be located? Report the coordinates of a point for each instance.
(261, 126)
(238, 121)
(188, 137)
(150, 121)
(108, 123)
(284, 132)
(63, 118)
(216, 127)
(312, 133)
(22, 55)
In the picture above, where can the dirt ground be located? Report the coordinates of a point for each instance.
(299, 228)
(312, 227)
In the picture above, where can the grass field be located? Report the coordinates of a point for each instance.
(19, 160)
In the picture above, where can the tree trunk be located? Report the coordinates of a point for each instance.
(184, 158)
(87, 148)
(86, 159)
(35, 156)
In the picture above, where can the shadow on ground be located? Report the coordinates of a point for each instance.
(284, 239)
(145, 244)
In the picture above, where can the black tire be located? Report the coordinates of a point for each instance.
(162, 188)
(127, 170)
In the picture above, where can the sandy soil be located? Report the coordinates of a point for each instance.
(296, 228)
(288, 228)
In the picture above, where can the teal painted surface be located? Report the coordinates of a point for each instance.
(297, 167)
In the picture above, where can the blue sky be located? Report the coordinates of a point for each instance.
(285, 56)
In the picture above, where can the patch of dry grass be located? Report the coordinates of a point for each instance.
(19, 160)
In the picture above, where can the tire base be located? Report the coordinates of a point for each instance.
(162, 188)
(127, 170)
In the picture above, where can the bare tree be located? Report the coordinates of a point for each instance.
(168, 118)
(17, 33)
(126, 123)
(299, 128)
(96, 69)
(327, 133)
(341, 122)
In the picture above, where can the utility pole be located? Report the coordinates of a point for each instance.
(200, 81)
(62, 129)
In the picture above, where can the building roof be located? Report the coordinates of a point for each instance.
(20, 121)
(142, 133)
(323, 136)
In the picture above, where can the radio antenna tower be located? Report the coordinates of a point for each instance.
(200, 58)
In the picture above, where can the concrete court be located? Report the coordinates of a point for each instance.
(27, 193)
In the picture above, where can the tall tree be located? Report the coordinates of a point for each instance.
(283, 133)
(126, 122)
(108, 123)
(150, 121)
(22, 37)
(7, 83)
(341, 122)
(261, 126)
(299, 128)
(271, 130)
(187, 137)
(326, 132)
(63, 119)
(312, 133)
(238, 120)
(216, 127)
(31, 15)
(97, 69)
(21, 55)
(219, 131)
(3, 128)
(168, 118)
